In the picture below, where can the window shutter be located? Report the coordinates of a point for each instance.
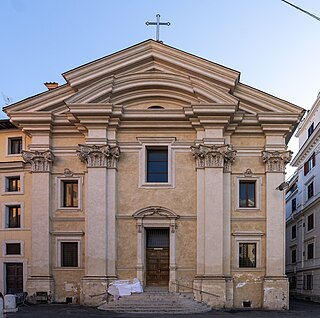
(305, 168)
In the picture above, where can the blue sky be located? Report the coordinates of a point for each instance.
(274, 46)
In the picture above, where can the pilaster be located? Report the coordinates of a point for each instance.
(100, 253)
(211, 163)
(275, 283)
(41, 274)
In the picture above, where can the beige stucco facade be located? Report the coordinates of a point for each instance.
(96, 130)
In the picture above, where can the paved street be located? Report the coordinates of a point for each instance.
(298, 309)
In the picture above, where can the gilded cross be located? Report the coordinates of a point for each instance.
(158, 23)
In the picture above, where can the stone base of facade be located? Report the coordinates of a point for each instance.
(276, 293)
(94, 289)
(215, 291)
(40, 289)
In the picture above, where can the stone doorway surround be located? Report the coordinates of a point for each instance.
(156, 217)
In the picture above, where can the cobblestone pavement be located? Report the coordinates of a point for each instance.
(297, 309)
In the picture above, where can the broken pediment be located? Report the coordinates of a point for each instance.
(155, 212)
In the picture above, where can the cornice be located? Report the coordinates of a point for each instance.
(29, 122)
(12, 165)
(309, 146)
(151, 50)
(265, 101)
(309, 114)
(43, 100)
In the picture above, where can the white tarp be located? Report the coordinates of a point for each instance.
(120, 288)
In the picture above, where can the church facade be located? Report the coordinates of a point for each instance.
(150, 163)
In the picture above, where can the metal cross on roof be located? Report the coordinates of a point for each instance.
(158, 23)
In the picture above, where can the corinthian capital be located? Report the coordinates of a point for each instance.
(214, 156)
(99, 156)
(276, 160)
(41, 161)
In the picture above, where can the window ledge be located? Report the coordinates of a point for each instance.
(15, 229)
(248, 269)
(255, 209)
(68, 268)
(73, 209)
(12, 193)
(157, 185)
(14, 155)
(12, 255)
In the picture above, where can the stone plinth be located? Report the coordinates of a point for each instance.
(276, 293)
(213, 291)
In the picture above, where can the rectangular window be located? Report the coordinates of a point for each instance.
(310, 222)
(293, 232)
(293, 282)
(247, 195)
(293, 256)
(293, 205)
(247, 254)
(69, 254)
(12, 184)
(13, 216)
(310, 190)
(157, 165)
(309, 164)
(310, 248)
(14, 145)
(310, 130)
(70, 194)
(307, 282)
(13, 248)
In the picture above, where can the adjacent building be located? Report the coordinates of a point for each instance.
(150, 163)
(303, 211)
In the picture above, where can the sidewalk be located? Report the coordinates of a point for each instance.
(298, 309)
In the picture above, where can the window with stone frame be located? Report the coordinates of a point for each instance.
(309, 164)
(247, 255)
(310, 250)
(69, 254)
(310, 223)
(13, 216)
(157, 164)
(293, 232)
(247, 194)
(70, 193)
(14, 145)
(12, 184)
(293, 205)
(308, 282)
(310, 191)
(13, 248)
(310, 130)
(293, 256)
(293, 282)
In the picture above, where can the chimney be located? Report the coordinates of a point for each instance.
(51, 85)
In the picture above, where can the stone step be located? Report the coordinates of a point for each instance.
(155, 302)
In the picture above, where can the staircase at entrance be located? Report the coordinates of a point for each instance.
(156, 301)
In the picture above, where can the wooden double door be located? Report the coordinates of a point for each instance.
(157, 257)
(14, 278)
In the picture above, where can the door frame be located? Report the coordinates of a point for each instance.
(156, 217)
(159, 251)
(3, 263)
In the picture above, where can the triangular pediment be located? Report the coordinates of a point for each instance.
(152, 74)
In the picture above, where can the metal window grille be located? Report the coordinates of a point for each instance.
(69, 254)
(157, 238)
